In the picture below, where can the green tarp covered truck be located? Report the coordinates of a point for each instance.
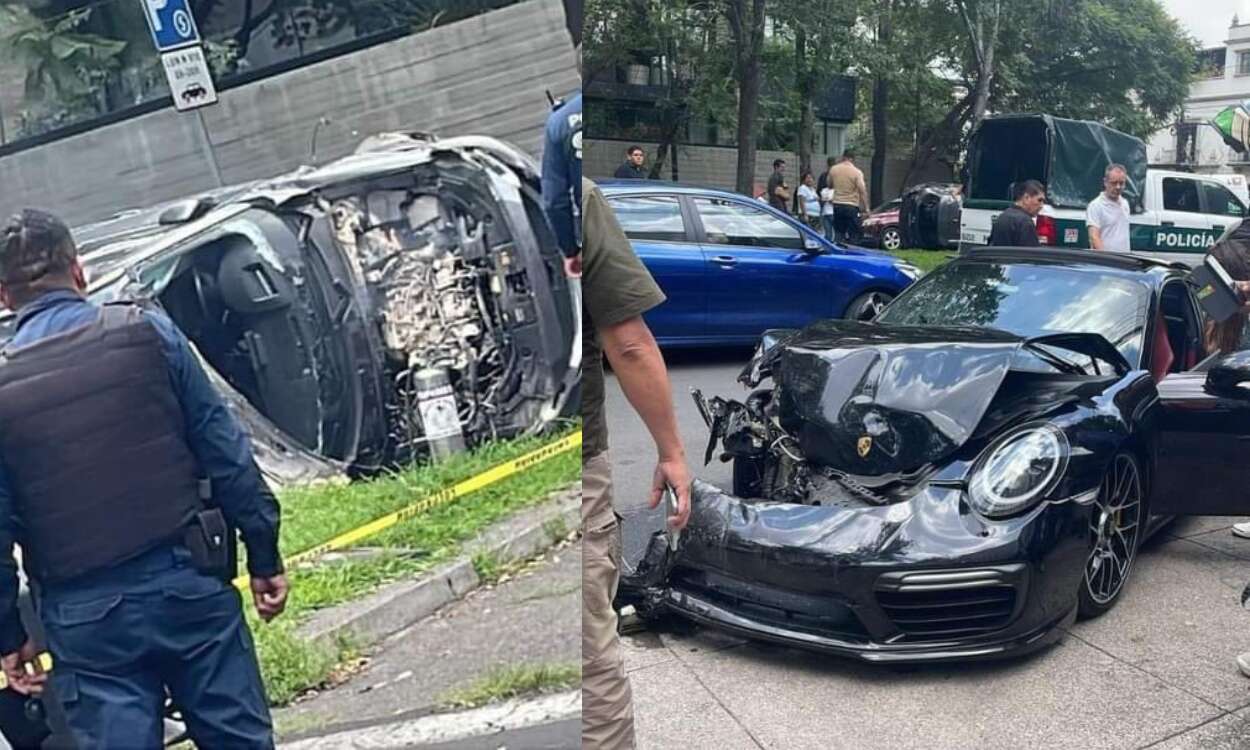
(1173, 213)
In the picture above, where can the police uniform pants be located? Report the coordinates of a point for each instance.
(119, 637)
(607, 707)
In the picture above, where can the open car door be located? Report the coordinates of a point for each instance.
(1204, 440)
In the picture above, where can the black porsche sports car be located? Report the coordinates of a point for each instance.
(405, 300)
(966, 474)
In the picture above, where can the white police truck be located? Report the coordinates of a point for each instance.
(1175, 215)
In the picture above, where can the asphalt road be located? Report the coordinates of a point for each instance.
(1157, 671)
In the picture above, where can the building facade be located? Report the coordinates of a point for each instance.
(1223, 80)
(298, 93)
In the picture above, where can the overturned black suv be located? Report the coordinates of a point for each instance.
(968, 473)
(405, 300)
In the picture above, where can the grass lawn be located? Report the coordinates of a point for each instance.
(313, 515)
(925, 260)
(507, 682)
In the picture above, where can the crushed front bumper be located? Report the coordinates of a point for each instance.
(918, 581)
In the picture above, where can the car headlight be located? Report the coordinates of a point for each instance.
(1018, 471)
(910, 271)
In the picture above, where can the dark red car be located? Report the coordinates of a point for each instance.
(880, 226)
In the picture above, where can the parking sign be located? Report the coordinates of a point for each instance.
(190, 82)
(171, 23)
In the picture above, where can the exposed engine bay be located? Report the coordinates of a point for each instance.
(447, 291)
(385, 308)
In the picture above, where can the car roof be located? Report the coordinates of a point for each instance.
(1133, 263)
(663, 186)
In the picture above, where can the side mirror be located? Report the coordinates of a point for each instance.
(811, 246)
(1230, 376)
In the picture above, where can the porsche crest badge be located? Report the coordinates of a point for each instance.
(863, 446)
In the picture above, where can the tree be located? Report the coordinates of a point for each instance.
(880, 107)
(683, 39)
(65, 67)
(1125, 63)
(746, 28)
(982, 21)
(827, 42)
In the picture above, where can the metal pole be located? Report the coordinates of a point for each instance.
(208, 149)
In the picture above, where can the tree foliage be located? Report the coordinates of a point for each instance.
(942, 65)
(59, 59)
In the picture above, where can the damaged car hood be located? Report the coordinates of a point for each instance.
(873, 400)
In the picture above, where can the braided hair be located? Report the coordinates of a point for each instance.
(36, 253)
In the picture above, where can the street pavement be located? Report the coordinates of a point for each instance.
(1156, 672)
(533, 617)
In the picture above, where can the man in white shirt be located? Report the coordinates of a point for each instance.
(1108, 215)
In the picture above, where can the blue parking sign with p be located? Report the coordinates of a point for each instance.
(171, 23)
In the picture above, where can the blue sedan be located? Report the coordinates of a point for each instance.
(733, 267)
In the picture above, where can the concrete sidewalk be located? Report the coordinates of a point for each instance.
(533, 617)
(1156, 672)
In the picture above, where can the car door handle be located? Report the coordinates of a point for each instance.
(726, 261)
(1167, 223)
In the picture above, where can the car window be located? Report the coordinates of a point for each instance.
(1180, 194)
(1220, 200)
(650, 217)
(1028, 300)
(732, 223)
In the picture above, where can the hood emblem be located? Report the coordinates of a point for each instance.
(863, 446)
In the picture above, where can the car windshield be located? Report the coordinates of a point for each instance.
(1028, 300)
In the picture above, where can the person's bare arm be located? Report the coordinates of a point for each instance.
(1095, 238)
(863, 193)
(639, 367)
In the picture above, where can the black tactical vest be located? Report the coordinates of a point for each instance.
(93, 441)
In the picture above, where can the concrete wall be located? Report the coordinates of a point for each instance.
(485, 75)
(716, 166)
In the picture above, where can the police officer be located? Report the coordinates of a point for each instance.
(108, 429)
(562, 179)
(562, 161)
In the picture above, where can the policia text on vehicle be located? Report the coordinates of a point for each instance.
(108, 428)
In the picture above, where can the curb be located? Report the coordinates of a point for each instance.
(397, 605)
(441, 728)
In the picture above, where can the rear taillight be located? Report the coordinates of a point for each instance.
(1047, 231)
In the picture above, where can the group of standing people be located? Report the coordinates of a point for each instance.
(833, 204)
(1106, 217)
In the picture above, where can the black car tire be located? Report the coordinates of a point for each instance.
(891, 239)
(867, 306)
(1123, 486)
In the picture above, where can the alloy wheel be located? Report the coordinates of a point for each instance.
(1115, 525)
(891, 239)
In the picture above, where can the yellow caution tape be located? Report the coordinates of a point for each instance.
(442, 497)
(425, 504)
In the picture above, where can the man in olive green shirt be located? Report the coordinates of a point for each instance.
(616, 291)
